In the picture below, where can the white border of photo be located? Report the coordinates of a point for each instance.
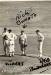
(25, 0)
(28, 0)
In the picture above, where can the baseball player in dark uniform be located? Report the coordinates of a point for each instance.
(5, 40)
(23, 42)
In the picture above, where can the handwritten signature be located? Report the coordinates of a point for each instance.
(26, 16)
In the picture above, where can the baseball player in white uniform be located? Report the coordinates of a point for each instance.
(5, 40)
(23, 42)
(40, 41)
(12, 38)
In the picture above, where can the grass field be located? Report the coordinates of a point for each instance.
(42, 21)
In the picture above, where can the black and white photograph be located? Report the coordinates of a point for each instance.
(25, 37)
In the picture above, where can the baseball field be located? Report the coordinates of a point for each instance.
(42, 21)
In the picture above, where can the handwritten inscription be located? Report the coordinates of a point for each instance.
(26, 16)
(14, 63)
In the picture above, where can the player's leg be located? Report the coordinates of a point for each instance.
(5, 47)
(10, 51)
(13, 50)
(21, 49)
(38, 47)
(13, 53)
(5, 50)
(24, 48)
(10, 54)
(41, 44)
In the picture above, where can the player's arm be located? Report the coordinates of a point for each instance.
(25, 40)
(3, 34)
(15, 36)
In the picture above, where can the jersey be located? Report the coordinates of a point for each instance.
(5, 38)
(23, 38)
(40, 37)
(12, 38)
(5, 35)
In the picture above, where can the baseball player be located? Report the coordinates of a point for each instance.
(5, 40)
(23, 42)
(40, 40)
(12, 38)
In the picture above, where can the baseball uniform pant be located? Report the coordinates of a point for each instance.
(5, 44)
(40, 48)
(11, 50)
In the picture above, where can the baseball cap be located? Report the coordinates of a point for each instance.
(37, 30)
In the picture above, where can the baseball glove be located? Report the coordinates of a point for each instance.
(5, 37)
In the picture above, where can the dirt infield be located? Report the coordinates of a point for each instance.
(29, 60)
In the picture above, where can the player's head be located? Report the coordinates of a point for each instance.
(9, 30)
(5, 29)
(37, 31)
(22, 31)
